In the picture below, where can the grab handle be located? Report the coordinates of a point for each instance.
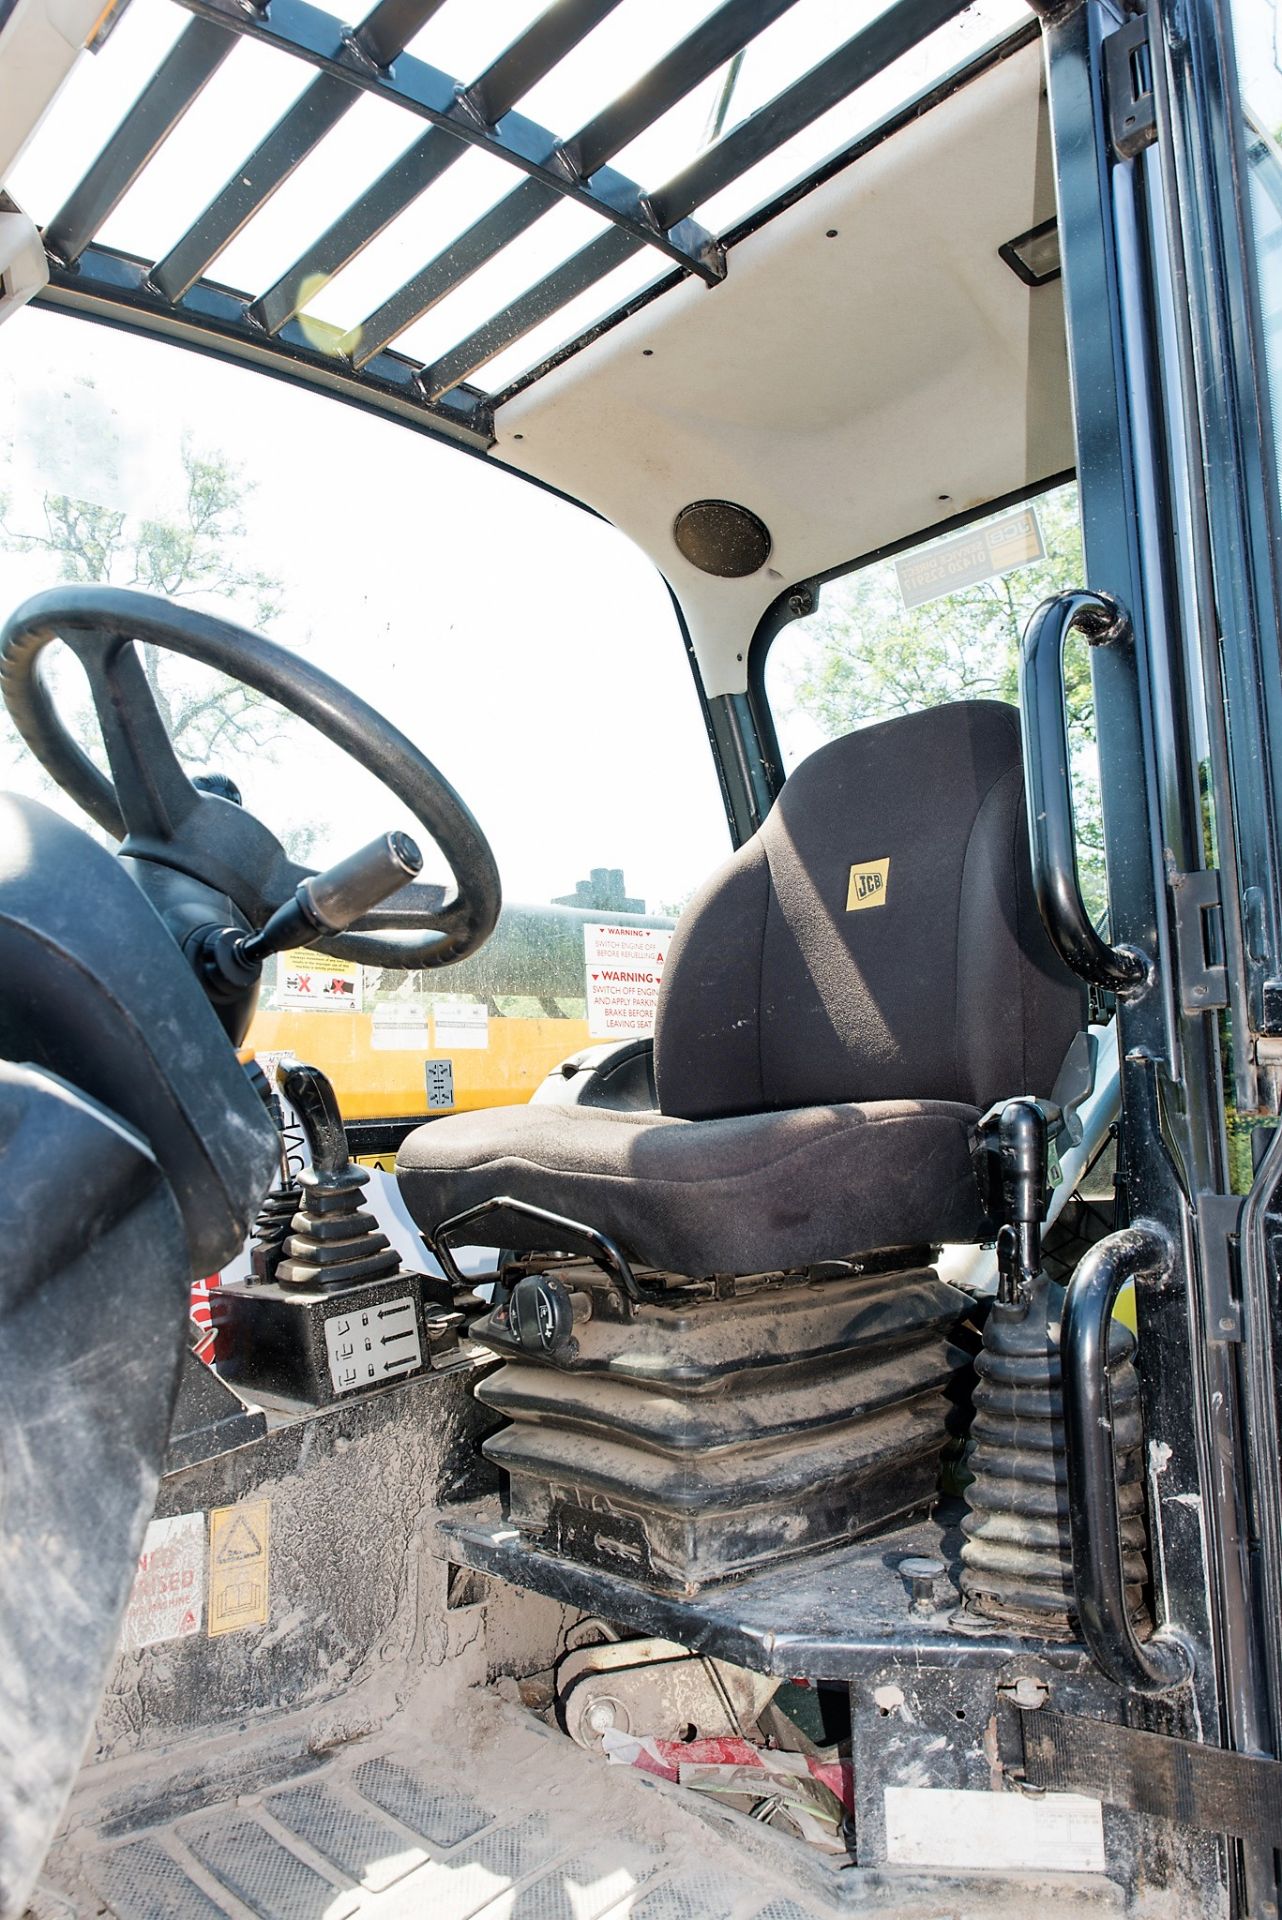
(1162, 1662)
(1048, 783)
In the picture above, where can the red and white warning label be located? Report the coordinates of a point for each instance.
(624, 968)
(318, 980)
(168, 1599)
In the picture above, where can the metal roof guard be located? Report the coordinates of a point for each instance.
(174, 295)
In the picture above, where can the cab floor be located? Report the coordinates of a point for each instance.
(486, 1815)
(510, 1822)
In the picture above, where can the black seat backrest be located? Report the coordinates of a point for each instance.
(877, 939)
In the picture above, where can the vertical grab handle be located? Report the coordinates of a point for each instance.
(1162, 1662)
(1048, 783)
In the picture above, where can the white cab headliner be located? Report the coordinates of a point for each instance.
(837, 387)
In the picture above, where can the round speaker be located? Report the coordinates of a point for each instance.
(719, 537)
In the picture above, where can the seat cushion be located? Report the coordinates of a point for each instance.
(745, 1194)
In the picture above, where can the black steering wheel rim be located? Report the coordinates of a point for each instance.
(100, 623)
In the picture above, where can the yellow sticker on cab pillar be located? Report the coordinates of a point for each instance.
(867, 884)
(238, 1566)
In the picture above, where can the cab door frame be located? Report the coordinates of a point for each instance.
(1163, 336)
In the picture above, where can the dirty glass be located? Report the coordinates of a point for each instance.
(1259, 54)
(943, 621)
(527, 648)
(1258, 45)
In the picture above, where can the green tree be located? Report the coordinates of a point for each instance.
(197, 551)
(864, 656)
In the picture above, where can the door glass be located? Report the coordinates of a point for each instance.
(1259, 54)
(527, 648)
(939, 622)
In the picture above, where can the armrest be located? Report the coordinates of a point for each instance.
(619, 1074)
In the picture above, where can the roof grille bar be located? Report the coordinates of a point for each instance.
(191, 62)
(544, 44)
(714, 41)
(891, 34)
(464, 255)
(300, 128)
(513, 73)
(395, 189)
(389, 27)
(573, 277)
(859, 59)
(310, 33)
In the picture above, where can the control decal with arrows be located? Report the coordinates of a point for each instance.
(372, 1344)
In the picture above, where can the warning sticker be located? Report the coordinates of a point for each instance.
(624, 968)
(968, 558)
(317, 980)
(168, 1598)
(461, 1024)
(238, 1540)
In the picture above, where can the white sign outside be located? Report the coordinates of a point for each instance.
(461, 1024)
(400, 1026)
(966, 559)
(624, 970)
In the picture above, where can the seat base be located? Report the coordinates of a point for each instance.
(718, 1432)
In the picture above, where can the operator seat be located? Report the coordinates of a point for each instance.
(843, 1000)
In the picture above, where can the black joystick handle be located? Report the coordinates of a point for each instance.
(313, 1099)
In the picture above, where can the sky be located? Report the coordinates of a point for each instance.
(526, 647)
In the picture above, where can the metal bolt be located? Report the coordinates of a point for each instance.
(600, 1716)
(1028, 1692)
(921, 1572)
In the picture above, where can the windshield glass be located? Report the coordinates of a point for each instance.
(530, 651)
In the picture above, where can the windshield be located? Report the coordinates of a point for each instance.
(524, 645)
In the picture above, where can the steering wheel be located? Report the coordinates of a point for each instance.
(152, 807)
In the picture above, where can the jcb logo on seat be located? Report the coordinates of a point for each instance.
(868, 885)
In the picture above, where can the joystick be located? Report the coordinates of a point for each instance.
(329, 1309)
(332, 1240)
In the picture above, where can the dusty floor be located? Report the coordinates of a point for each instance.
(459, 1809)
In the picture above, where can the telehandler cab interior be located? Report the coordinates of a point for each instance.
(756, 1394)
